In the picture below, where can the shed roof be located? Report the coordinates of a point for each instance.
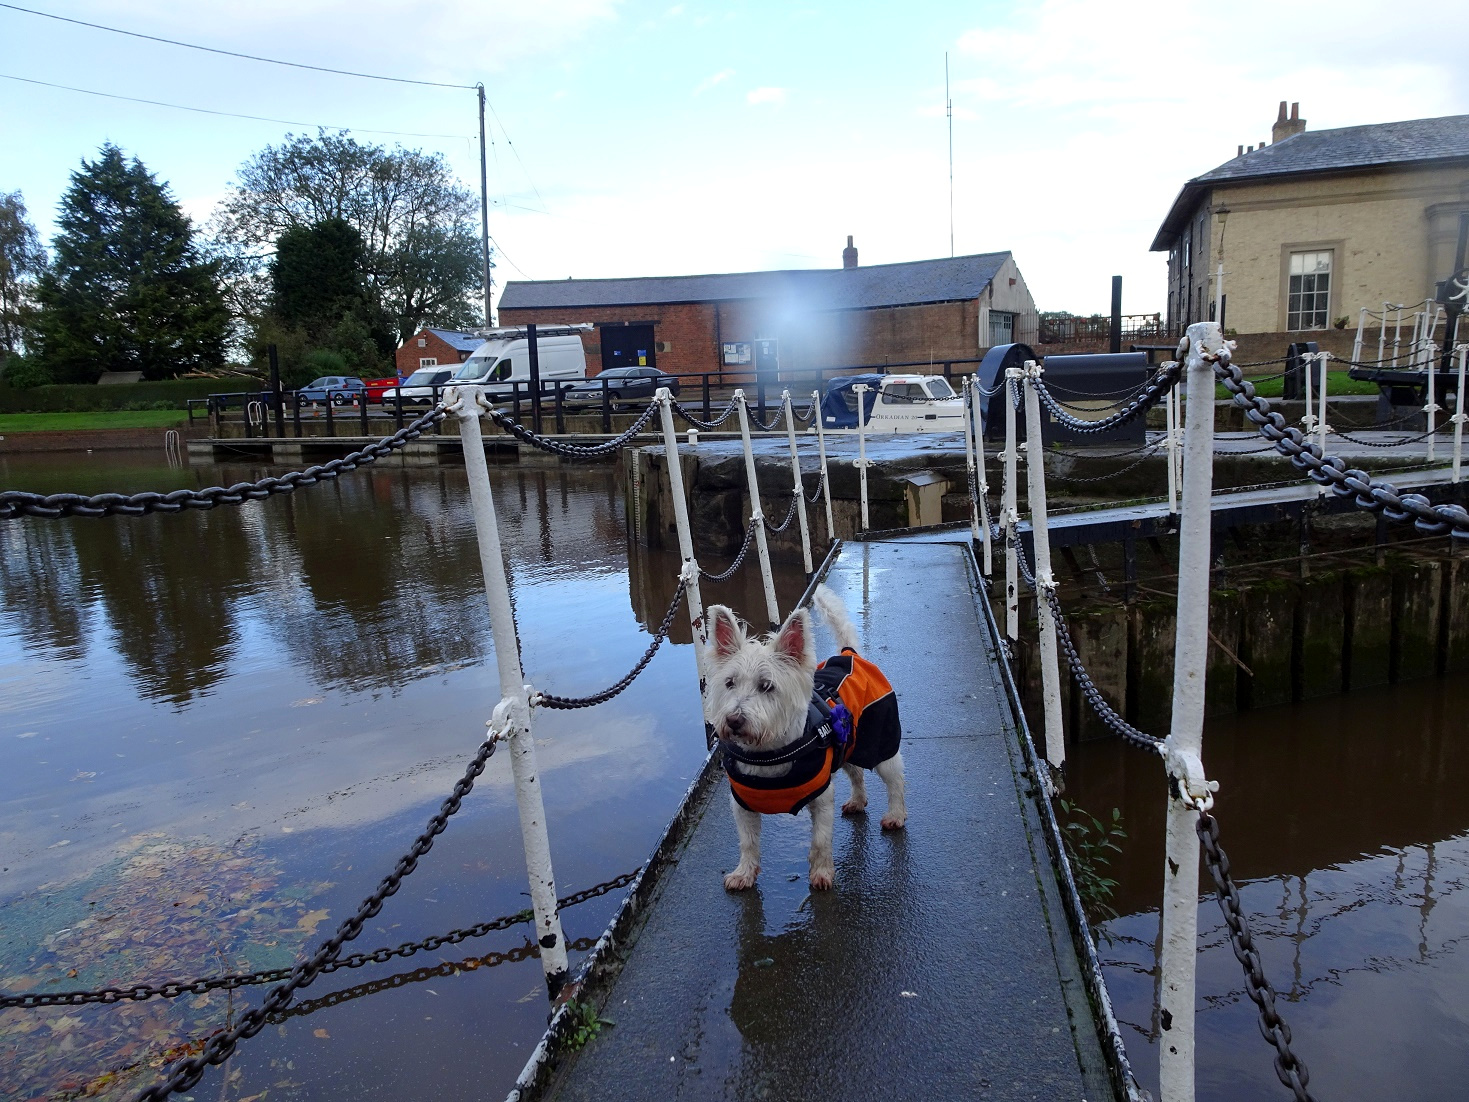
(1414, 141)
(919, 281)
(459, 341)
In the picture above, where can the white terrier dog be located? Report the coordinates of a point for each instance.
(785, 724)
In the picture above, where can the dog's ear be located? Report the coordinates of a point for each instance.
(725, 630)
(793, 641)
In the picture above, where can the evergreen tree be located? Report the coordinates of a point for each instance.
(22, 260)
(127, 290)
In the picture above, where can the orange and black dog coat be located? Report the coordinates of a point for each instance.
(852, 720)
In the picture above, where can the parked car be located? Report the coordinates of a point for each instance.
(375, 387)
(504, 359)
(337, 389)
(418, 388)
(625, 386)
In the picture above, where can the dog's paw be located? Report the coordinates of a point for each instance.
(822, 879)
(892, 821)
(742, 879)
(854, 807)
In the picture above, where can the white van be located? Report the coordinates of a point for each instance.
(504, 359)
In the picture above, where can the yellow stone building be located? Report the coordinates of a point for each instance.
(1316, 225)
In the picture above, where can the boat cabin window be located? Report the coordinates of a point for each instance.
(903, 394)
(940, 388)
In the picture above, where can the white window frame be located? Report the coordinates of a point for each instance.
(1299, 316)
(428, 361)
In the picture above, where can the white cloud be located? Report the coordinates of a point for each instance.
(709, 82)
(776, 96)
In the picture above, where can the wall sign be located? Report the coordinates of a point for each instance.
(737, 353)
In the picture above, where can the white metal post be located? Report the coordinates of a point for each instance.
(772, 609)
(1357, 344)
(1008, 520)
(1432, 407)
(799, 490)
(1382, 335)
(977, 424)
(690, 569)
(1045, 584)
(1308, 364)
(514, 707)
(969, 463)
(861, 391)
(1397, 335)
(831, 532)
(1170, 408)
(1463, 351)
(1185, 742)
(1323, 361)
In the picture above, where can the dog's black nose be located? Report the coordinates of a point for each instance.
(734, 723)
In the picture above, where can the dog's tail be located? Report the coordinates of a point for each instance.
(834, 613)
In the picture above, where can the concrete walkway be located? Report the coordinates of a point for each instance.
(939, 967)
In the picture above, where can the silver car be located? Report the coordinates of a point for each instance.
(418, 388)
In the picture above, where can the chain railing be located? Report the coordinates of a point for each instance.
(1160, 383)
(567, 703)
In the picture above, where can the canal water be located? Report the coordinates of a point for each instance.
(1346, 822)
(219, 730)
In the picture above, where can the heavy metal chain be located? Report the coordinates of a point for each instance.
(1330, 470)
(142, 992)
(428, 972)
(1162, 381)
(185, 1073)
(739, 559)
(572, 451)
(815, 494)
(707, 426)
(1378, 443)
(808, 417)
(14, 503)
(790, 516)
(762, 425)
(1289, 1067)
(1110, 474)
(1089, 691)
(566, 703)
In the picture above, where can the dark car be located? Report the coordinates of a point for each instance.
(624, 387)
(337, 389)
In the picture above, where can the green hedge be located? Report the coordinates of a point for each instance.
(83, 398)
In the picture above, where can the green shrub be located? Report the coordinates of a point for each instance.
(325, 361)
(88, 398)
(25, 373)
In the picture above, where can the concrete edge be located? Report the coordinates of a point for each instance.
(1060, 892)
(595, 976)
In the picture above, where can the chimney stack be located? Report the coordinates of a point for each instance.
(1287, 127)
(849, 254)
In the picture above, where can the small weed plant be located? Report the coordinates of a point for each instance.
(1090, 843)
(586, 1024)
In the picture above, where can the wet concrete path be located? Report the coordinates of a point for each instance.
(940, 965)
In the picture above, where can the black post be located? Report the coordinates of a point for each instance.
(1223, 303)
(707, 412)
(515, 398)
(438, 425)
(560, 410)
(331, 420)
(398, 407)
(362, 400)
(1114, 344)
(296, 412)
(606, 407)
(275, 392)
(535, 376)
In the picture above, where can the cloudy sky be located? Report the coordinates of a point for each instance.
(640, 138)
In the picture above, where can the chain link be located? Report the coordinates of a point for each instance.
(1330, 470)
(1289, 1068)
(185, 1073)
(738, 560)
(790, 516)
(1120, 471)
(571, 451)
(567, 703)
(15, 503)
(815, 494)
(762, 425)
(1378, 443)
(1162, 381)
(141, 992)
(708, 426)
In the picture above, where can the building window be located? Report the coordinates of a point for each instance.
(1002, 328)
(422, 342)
(428, 361)
(1308, 300)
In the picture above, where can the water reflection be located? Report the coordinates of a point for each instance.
(1348, 829)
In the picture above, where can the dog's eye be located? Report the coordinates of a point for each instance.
(766, 687)
(729, 683)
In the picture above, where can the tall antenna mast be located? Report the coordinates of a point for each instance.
(949, 111)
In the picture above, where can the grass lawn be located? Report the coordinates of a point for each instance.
(80, 422)
(1337, 382)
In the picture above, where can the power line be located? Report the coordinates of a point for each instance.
(226, 114)
(233, 53)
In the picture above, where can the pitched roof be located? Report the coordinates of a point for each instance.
(948, 280)
(1414, 141)
(460, 342)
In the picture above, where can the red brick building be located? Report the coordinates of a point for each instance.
(921, 312)
(435, 347)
